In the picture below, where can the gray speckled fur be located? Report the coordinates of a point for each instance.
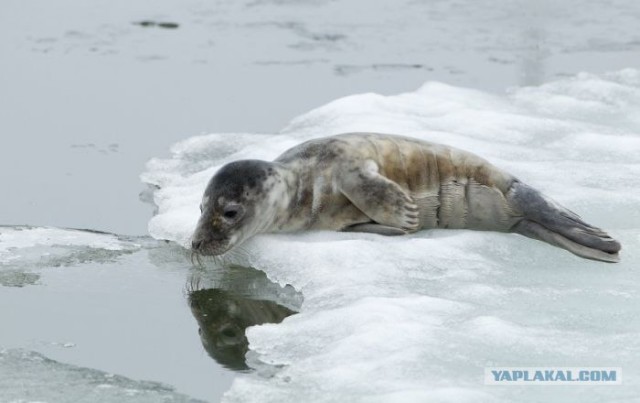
(350, 178)
(384, 184)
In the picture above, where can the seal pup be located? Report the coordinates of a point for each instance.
(383, 184)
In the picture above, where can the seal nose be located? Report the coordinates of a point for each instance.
(196, 244)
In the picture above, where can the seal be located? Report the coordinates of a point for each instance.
(383, 184)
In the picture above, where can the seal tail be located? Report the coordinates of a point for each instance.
(547, 221)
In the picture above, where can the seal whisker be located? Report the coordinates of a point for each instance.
(193, 284)
(243, 251)
(238, 253)
(191, 257)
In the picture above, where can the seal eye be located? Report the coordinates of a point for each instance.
(229, 333)
(232, 211)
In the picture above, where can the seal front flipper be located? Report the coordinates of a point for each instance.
(381, 199)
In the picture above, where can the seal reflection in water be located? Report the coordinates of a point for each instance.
(223, 314)
(384, 184)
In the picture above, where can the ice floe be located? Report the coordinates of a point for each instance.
(417, 318)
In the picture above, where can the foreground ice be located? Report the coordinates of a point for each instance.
(23, 249)
(45, 380)
(14, 238)
(417, 318)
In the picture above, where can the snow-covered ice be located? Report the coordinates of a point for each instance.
(417, 318)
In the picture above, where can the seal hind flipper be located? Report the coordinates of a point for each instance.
(534, 230)
(381, 199)
(374, 228)
(548, 221)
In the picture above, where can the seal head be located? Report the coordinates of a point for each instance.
(236, 206)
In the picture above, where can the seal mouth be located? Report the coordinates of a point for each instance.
(210, 249)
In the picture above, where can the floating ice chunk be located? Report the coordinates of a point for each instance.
(30, 374)
(12, 238)
(25, 248)
(17, 278)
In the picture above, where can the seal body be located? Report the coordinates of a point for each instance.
(385, 184)
(343, 179)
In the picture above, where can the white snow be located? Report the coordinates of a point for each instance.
(417, 318)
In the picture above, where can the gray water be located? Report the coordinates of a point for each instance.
(90, 91)
(87, 96)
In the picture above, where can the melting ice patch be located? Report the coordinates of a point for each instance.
(31, 375)
(24, 248)
(417, 318)
(14, 238)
